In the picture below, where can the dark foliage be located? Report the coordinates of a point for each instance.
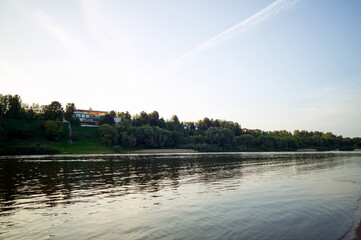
(149, 130)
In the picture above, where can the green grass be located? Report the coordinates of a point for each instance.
(25, 133)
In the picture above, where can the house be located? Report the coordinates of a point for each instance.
(117, 120)
(190, 126)
(88, 118)
(248, 130)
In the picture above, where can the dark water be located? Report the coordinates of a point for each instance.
(216, 196)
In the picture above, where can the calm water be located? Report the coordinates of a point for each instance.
(202, 196)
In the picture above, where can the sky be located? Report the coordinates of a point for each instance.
(266, 64)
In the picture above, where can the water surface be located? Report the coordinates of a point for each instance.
(184, 196)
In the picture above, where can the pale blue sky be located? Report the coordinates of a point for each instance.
(273, 65)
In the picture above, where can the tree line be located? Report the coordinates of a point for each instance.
(149, 130)
(12, 107)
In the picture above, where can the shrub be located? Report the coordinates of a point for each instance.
(108, 134)
(74, 121)
(219, 136)
(127, 140)
(245, 140)
(106, 119)
(53, 130)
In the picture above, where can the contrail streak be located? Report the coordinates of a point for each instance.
(237, 30)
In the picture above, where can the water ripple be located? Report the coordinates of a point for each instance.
(190, 196)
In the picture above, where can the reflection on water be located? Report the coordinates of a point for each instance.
(217, 196)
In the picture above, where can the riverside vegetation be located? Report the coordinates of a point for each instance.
(35, 129)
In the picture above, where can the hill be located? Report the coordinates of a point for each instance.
(29, 137)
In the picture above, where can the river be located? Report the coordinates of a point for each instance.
(181, 196)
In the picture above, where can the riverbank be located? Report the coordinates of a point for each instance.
(32, 137)
(156, 151)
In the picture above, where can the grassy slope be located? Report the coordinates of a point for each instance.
(25, 133)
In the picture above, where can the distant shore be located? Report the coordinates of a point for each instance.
(154, 151)
(31, 137)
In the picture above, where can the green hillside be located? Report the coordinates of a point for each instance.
(29, 137)
(36, 129)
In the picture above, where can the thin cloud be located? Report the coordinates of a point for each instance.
(237, 30)
(10, 72)
(111, 36)
(73, 45)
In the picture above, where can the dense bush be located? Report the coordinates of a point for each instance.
(245, 140)
(53, 130)
(127, 140)
(153, 137)
(74, 121)
(106, 119)
(108, 135)
(219, 136)
(148, 130)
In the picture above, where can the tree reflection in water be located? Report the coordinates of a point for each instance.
(49, 181)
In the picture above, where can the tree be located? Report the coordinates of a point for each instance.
(236, 128)
(174, 124)
(204, 124)
(106, 119)
(69, 110)
(14, 107)
(196, 139)
(175, 119)
(219, 136)
(28, 113)
(216, 123)
(291, 142)
(153, 118)
(153, 137)
(10, 106)
(53, 130)
(140, 119)
(75, 121)
(161, 123)
(3, 105)
(127, 140)
(245, 140)
(53, 111)
(125, 115)
(296, 133)
(37, 110)
(328, 135)
(268, 142)
(154, 115)
(112, 113)
(108, 135)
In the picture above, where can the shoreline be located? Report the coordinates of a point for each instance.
(156, 151)
(150, 152)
